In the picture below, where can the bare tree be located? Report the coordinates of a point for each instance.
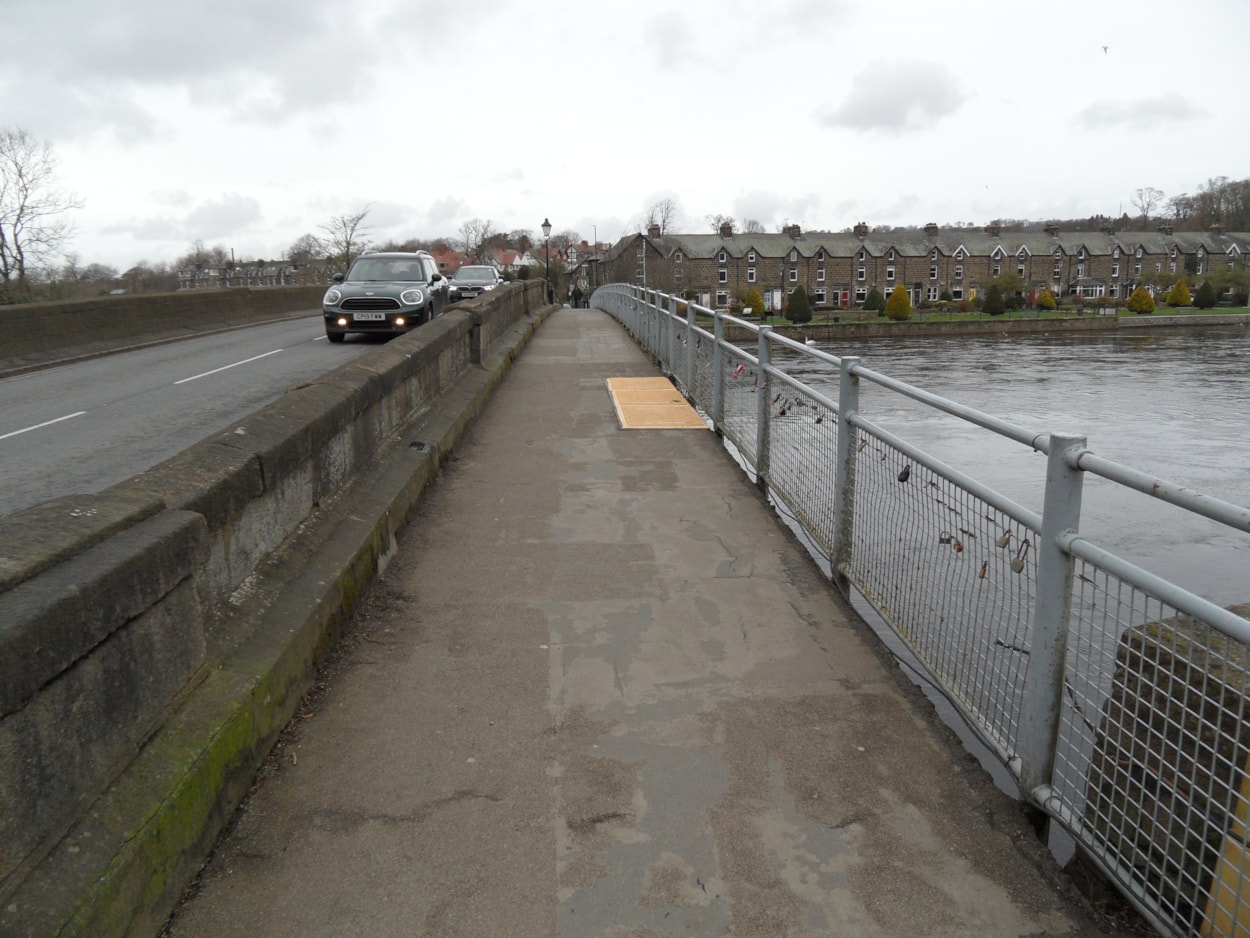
(33, 226)
(306, 249)
(715, 221)
(663, 213)
(1146, 199)
(345, 236)
(751, 226)
(473, 234)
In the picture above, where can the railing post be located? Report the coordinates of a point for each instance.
(763, 412)
(691, 364)
(718, 370)
(1042, 697)
(671, 322)
(844, 473)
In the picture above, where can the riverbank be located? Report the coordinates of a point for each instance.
(887, 329)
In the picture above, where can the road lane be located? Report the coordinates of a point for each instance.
(83, 427)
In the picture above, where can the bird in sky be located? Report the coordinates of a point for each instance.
(1104, 49)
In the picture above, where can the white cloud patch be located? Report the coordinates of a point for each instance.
(669, 38)
(1142, 114)
(897, 97)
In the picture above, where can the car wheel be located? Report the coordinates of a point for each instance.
(335, 337)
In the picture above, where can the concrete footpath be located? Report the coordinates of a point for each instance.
(602, 691)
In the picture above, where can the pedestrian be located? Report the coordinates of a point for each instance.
(577, 297)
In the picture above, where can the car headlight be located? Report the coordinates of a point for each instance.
(331, 298)
(412, 297)
(490, 286)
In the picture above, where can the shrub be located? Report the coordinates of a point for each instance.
(754, 301)
(874, 301)
(1179, 294)
(799, 309)
(898, 307)
(1140, 301)
(1013, 302)
(1206, 297)
(994, 303)
(946, 296)
(1046, 300)
(524, 272)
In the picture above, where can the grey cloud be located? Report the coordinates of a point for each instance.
(229, 215)
(897, 97)
(669, 38)
(1139, 114)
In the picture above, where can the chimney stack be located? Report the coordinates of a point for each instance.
(861, 229)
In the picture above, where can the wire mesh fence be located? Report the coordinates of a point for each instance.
(1117, 700)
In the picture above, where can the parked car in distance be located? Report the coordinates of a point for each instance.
(385, 293)
(474, 280)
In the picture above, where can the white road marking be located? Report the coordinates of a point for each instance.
(46, 423)
(227, 367)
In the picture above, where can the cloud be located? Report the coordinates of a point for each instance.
(897, 97)
(216, 220)
(1146, 114)
(773, 208)
(668, 37)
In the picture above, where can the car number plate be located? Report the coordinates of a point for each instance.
(368, 317)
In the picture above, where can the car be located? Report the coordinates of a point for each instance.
(474, 280)
(385, 293)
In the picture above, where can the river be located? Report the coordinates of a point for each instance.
(1174, 403)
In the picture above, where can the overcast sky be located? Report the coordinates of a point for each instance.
(248, 123)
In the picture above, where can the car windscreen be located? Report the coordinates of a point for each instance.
(386, 268)
(475, 275)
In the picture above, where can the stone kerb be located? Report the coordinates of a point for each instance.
(113, 607)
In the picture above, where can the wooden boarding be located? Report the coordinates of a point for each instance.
(652, 404)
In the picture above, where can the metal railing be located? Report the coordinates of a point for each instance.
(1119, 701)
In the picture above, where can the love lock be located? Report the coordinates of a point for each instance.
(945, 538)
(1004, 540)
(1017, 562)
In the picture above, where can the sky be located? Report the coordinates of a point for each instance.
(249, 123)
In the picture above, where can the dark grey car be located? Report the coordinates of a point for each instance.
(385, 294)
(474, 280)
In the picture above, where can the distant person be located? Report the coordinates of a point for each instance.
(577, 297)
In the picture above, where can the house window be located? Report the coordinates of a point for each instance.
(722, 298)
(1137, 268)
(1139, 252)
(1115, 270)
(677, 275)
(1020, 268)
(751, 257)
(862, 255)
(1058, 254)
(861, 294)
(933, 271)
(794, 255)
(1201, 268)
(1116, 254)
(677, 257)
(721, 257)
(639, 273)
(959, 271)
(819, 295)
(1080, 271)
(862, 272)
(933, 255)
(1158, 267)
(1058, 270)
(750, 275)
(959, 255)
(889, 273)
(997, 270)
(722, 276)
(820, 274)
(957, 293)
(794, 275)
(1172, 267)
(890, 257)
(933, 293)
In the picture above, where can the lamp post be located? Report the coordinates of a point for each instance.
(547, 251)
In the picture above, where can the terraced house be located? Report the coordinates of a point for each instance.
(839, 269)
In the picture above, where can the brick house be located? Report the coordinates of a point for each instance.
(839, 269)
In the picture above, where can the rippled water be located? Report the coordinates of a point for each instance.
(1174, 403)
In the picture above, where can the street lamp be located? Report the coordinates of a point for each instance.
(547, 251)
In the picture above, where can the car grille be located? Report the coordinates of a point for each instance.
(369, 302)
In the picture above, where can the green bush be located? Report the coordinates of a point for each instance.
(874, 302)
(1046, 300)
(898, 307)
(1140, 301)
(799, 309)
(1206, 297)
(994, 303)
(1179, 294)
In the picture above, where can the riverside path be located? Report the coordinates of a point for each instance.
(602, 691)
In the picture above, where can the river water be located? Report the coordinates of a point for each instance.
(1174, 403)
